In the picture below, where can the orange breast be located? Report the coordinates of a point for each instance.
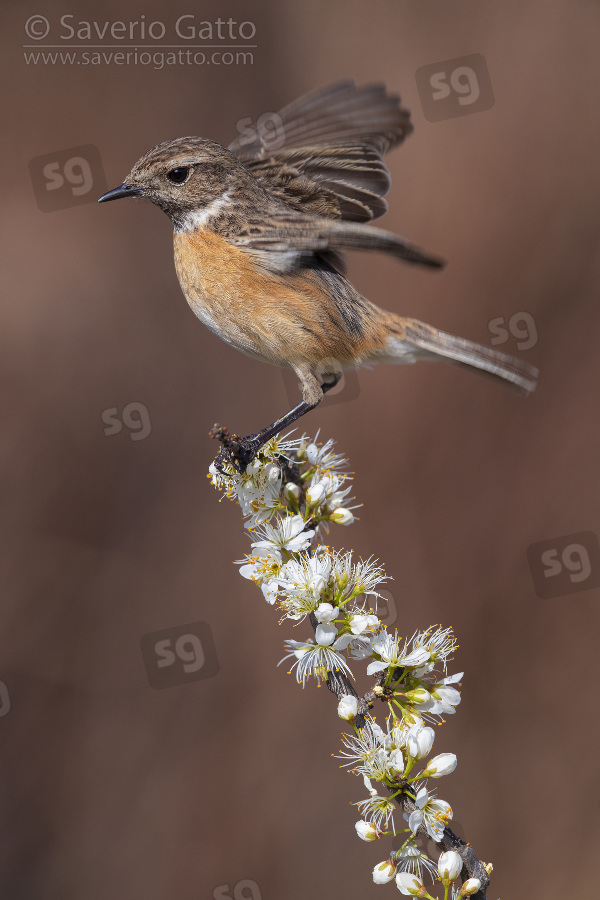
(285, 320)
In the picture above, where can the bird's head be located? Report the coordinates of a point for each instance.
(185, 177)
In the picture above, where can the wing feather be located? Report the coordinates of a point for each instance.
(323, 152)
(282, 246)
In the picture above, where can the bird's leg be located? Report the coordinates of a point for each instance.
(241, 451)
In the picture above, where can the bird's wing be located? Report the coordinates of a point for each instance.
(324, 152)
(284, 245)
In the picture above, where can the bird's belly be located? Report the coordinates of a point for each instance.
(214, 283)
(269, 317)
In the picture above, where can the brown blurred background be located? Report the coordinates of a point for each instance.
(113, 788)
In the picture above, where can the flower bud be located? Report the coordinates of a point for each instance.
(326, 612)
(325, 634)
(396, 762)
(274, 473)
(315, 494)
(361, 622)
(471, 886)
(342, 516)
(366, 831)
(317, 584)
(410, 884)
(447, 694)
(449, 865)
(412, 717)
(348, 707)
(383, 872)
(419, 741)
(312, 453)
(419, 695)
(443, 764)
(292, 493)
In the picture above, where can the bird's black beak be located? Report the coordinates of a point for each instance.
(124, 190)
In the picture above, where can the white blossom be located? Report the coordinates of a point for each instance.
(434, 814)
(259, 492)
(367, 751)
(354, 643)
(287, 534)
(388, 648)
(354, 579)
(264, 569)
(362, 647)
(377, 809)
(304, 580)
(411, 859)
(334, 492)
(258, 489)
(323, 459)
(313, 659)
(443, 699)
(439, 642)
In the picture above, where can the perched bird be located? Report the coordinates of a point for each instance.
(258, 233)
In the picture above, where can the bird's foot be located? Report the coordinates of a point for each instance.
(236, 451)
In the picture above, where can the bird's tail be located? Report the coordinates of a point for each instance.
(411, 340)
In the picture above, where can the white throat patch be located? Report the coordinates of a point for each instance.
(199, 218)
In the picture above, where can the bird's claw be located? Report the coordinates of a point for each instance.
(242, 451)
(236, 451)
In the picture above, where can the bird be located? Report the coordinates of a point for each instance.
(259, 231)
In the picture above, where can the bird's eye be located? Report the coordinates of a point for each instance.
(179, 175)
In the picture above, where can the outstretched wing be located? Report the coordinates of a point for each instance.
(281, 246)
(323, 154)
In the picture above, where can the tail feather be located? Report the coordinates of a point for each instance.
(519, 374)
